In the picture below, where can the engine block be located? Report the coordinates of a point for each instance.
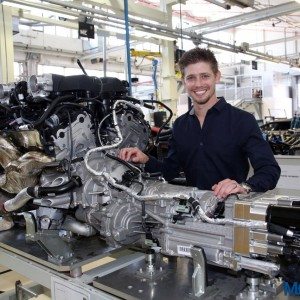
(59, 148)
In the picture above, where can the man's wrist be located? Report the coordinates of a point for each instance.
(146, 159)
(247, 187)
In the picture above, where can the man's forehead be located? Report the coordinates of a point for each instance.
(199, 73)
(198, 68)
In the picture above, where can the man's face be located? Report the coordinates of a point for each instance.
(200, 82)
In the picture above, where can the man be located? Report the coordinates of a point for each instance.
(214, 140)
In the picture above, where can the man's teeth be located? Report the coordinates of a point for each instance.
(200, 92)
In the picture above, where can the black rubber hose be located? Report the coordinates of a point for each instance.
(125, 163)
(195, 204)
(142, 186)
(43, 191)
(86, 100)
(81, 67)
(166, 122)
(63, 104)
(277, 229)
(49, 110)
(139, 102)
(151, 175)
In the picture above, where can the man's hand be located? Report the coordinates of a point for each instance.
(227, 187)
(133, 154)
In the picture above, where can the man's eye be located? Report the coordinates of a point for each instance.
(205, 76)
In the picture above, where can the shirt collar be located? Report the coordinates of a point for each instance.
(218, 106)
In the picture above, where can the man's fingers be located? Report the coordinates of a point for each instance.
(225, 188)
(133, 154)
(125, 153)
(129, 155)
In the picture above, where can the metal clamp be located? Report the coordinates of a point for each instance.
(199, 275)
(20, 290)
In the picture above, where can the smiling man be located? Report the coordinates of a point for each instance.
(213, 142)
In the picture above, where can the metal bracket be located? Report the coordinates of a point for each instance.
(30, 225)
(20, 290)
(199, 275)
(57, 249)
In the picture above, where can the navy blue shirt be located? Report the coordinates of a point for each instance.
(222, 148)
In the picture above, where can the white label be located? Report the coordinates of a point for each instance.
(290, 177)
(184, 250)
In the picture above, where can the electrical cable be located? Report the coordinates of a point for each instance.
(49, 110)
(142, 186)
(131, 167)
(165, 123)
(81, 67)
(62, 105)
(101, 123)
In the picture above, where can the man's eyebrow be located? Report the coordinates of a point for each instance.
(195, 74)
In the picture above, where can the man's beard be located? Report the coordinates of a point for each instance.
(205, 100)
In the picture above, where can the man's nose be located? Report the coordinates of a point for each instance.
(199, 80)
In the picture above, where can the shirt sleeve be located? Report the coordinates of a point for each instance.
(266, 169)
(170, 166)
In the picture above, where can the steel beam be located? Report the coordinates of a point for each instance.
(277, 41)
(20, 13)
(134, 8)
(157, 30)
(43, 6)
(247, 18)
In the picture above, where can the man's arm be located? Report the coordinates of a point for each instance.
(170, 167)
(266, 169)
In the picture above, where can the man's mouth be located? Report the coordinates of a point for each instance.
(200, 93)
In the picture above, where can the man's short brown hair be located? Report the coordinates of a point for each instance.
(196, 55)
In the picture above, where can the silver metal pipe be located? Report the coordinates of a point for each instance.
(259, 266)
(78, 227)
(18, 201)
(250, 224)
(165, 196)
(274, 249)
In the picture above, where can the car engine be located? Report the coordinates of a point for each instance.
(59, 144)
